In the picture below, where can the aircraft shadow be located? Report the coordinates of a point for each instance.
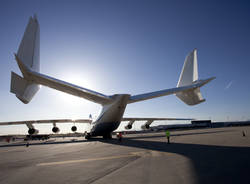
(179, 134)
(213, 164)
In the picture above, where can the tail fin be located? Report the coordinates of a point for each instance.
(189, 76)
(29, 48)
(28, 59)
(189, 72)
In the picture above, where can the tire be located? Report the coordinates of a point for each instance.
(87, 136)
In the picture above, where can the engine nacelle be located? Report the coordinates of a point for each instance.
(55, 129)
(73, 128)
(146, 126)
(33, 131)
(128, 127)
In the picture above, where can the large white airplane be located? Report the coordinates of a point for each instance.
(113, 107)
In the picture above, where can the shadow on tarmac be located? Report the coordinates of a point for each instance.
(180, 134)
(213, 164)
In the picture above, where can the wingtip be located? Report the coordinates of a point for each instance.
(212, 78)
(207, 80)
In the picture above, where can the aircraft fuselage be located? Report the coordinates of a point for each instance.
(110, 116)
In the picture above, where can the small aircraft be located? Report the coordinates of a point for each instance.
(113, 107)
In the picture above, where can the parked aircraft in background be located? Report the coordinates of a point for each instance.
(113, 107)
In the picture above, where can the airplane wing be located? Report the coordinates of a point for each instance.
(32, 130)
(46, 121)
(154, 119)
(148, 122)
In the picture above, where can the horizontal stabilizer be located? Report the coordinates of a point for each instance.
(191, 97)
(23, 89)
(69, 88)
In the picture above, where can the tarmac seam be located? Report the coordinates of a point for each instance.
(85, 160)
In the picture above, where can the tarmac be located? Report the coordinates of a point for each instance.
(212, 155)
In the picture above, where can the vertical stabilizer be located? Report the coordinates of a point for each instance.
(189, 72)
(29, 51)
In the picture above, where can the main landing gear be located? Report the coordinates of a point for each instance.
(87, 136)
(106, 136)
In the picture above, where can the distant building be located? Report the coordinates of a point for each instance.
(201, 123)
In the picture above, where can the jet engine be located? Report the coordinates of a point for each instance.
(146, 126)
(33, 131)
(74, 128)
(55, 129)
(128, 127)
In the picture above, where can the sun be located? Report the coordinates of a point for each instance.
(82, 80)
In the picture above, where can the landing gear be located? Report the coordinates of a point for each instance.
(107, 136)
(87, 136)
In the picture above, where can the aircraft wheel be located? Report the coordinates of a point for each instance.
(87, 136)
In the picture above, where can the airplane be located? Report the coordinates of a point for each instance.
(113, 106)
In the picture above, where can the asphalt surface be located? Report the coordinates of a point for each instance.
(194, 156)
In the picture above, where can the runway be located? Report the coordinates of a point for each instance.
(194, 156)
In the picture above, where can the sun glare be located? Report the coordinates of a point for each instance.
(79, 80)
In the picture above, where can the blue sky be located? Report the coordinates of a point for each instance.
(130, 47)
